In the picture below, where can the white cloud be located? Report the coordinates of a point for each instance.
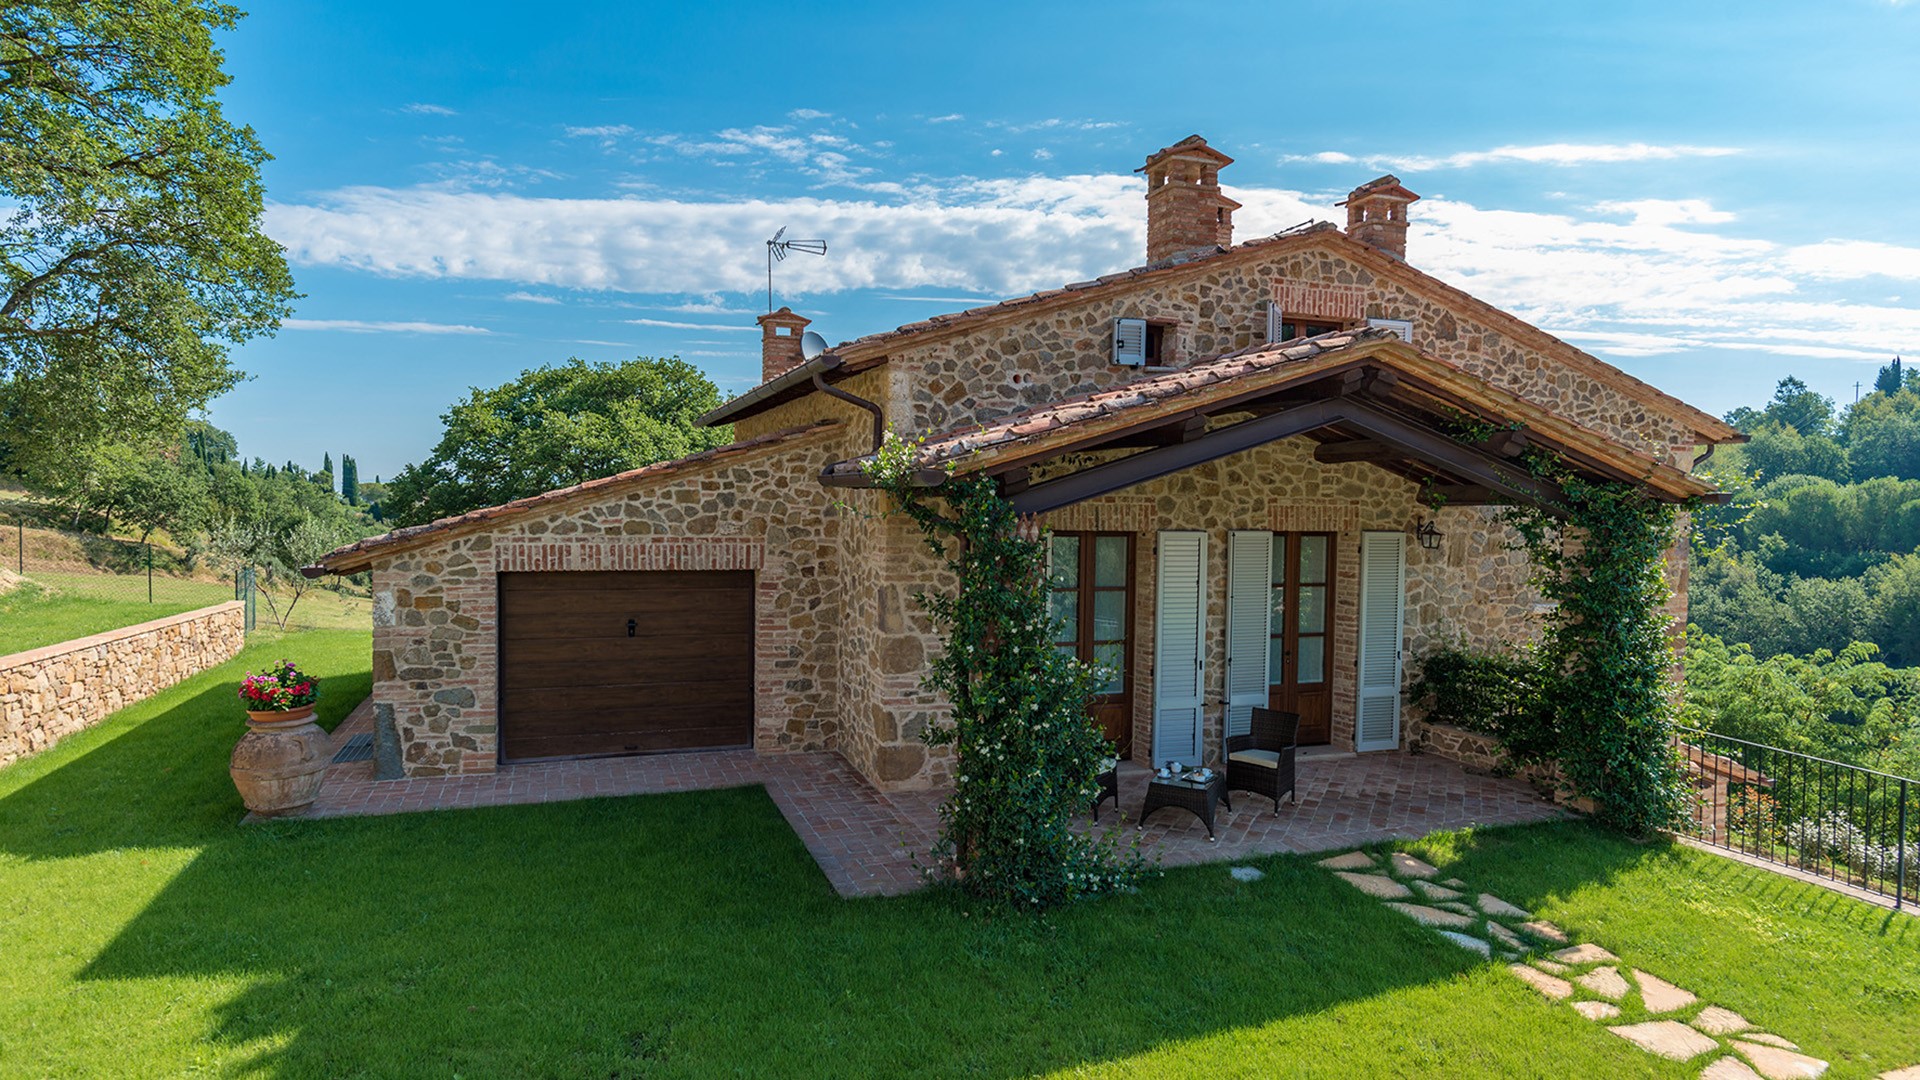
(1557, 154)
(599, 131)
(711, 304)
(363, 326)
(524, 297)
(1324, 157)
(947, 119)
(671, 325)
(1666, 211)
(1846, 260)
(808, 114)
(1633, 278)
(487, 173)
(959, 238)
(1043, 154)
(1054, 123)
(423, 108)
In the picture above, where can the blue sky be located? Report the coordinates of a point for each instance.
(1709, 196)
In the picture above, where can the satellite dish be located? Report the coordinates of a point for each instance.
(812, 345)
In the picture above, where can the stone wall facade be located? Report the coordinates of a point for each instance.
(49, 693)
(1219, 305)
(436, 607)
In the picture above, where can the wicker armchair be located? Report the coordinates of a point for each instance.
(1261, 761)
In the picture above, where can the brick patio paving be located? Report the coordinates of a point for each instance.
(865, 840)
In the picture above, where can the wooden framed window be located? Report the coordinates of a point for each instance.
(1090, 576)
(1300, 648)
(1291, 327)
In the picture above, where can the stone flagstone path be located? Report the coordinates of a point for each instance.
(1643, 1009)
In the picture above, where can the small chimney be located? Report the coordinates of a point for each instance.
(780, 342)
(1377, 214)
(1186, 211)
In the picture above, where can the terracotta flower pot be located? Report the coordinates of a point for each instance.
(275, 716)
(281, 760)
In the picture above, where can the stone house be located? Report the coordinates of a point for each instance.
(1270, 471)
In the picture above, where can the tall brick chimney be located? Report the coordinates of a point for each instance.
(780, 342)
(1377, 214)
(1186, 211)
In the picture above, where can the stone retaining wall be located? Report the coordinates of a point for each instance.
(49, 693)
(1475, 750)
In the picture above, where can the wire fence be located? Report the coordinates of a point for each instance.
(1828, 818)
(59, 583)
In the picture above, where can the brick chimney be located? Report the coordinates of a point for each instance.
(1186, 211)
(1377, 214)
(780, 342)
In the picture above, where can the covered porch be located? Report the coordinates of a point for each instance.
(1286, 527)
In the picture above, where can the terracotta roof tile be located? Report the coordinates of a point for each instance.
(1038, 422)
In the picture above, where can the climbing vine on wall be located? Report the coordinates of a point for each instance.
(1606, 714)
(1026, 751)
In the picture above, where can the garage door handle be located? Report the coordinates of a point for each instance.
(630, 627)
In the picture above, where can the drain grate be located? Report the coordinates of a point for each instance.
(358, 748)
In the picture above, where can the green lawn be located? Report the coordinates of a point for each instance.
(56, 606)
(146, 933)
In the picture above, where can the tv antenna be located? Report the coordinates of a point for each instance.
(778, 250)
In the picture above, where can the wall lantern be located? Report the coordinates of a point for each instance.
(1428, 535)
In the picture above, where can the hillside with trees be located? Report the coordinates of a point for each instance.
(1805, 594)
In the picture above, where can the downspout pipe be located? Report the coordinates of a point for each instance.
(879, 417)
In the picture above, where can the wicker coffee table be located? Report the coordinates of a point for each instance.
(1198, 797)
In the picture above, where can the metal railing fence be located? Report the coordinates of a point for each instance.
(1843, 822)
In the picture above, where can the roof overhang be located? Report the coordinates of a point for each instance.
(1366, 396)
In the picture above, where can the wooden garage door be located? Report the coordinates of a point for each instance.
(624, 662)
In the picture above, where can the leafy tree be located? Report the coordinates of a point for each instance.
(132, 256)
(1896, 620)
(1797, 407)
(209, 444)
(349, 480)
(1828, 613)
(1844, 704)
(1888, 380)
(555, 426)
(277, 554)
(1777, 450)
(1883, 432)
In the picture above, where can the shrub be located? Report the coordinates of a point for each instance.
(1830, 835)
(1483, 690)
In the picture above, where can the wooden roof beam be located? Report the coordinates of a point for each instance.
(1335, 453)
(1416, 440)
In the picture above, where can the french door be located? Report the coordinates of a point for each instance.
(1091, 578)
(1300, 631)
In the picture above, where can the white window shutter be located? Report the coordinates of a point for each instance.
(1274, 318)
(1403, 327)
(1383, 592)
(1179, 669)
(1130, 342)
(1249, 625)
